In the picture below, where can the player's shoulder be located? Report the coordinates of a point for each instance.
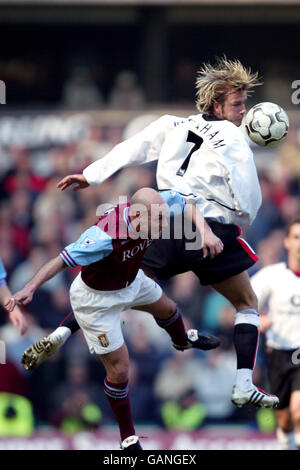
(273, 269)
(114, 222)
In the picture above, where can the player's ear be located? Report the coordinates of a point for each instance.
(217, 109)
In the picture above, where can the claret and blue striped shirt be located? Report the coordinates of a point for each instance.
(110, 259)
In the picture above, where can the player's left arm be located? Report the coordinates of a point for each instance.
(25, 295)
(211, 244)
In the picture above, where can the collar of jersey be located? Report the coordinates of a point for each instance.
(297, 273)
(209, 117)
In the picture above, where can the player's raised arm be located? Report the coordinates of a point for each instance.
(24, 296)
(142, 148)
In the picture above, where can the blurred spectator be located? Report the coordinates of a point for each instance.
(126, 93)
(75, 404)
(143, 368)
(183, 365)
(186, 414)
(219, 367)
(268, 218)
(188, 295)
(16, 416)
(16, 344)
(183, 82)
(80, 90)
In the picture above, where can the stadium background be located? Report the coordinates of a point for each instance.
(80, 77)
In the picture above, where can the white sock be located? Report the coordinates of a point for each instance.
(62, 333)
(244, 379)
(286, 440)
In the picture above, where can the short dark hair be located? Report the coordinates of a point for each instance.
(295, 220)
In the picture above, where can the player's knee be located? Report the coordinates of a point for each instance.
(166, 309)
(118, 372)
(247, 300)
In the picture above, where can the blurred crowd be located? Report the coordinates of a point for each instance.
(172, 389)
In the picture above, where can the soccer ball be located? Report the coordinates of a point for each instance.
(266, 124)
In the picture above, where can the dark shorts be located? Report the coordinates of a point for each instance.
(284, 376)
(166, 258)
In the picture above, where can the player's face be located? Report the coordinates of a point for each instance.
(233, 108)
(292, 242)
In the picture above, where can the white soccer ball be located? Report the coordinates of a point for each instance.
(266, 124)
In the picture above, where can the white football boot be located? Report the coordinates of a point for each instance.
(255, 396)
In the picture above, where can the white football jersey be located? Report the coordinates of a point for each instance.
(279, 288)
(206, 159)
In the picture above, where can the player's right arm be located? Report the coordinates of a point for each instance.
(91, 246)
(142, 148)
(24, 296)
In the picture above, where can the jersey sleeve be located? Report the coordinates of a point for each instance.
(142, 148)
(241, 168)
(262, 286)
(3, 274)
(175, 202)
(93, 245)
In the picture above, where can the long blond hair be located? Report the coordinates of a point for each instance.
(214, 81)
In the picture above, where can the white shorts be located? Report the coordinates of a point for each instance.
(98, 312)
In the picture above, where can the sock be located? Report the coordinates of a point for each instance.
(175, 327)
(244, 378)
(70, 322)
(117, 395)
(62, 332)
(245, 339)
(286, 440)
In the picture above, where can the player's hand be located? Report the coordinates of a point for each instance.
(23, 297)
(212, 245)
(17, 319)
(67, 181)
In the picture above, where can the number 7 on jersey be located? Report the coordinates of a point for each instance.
(194, 139)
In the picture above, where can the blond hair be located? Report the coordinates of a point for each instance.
(214, 81)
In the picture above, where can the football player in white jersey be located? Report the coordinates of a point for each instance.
(207, 159)
(278, 288)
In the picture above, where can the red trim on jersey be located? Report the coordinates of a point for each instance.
(248, 249)
(66, 318)
(239, 229)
